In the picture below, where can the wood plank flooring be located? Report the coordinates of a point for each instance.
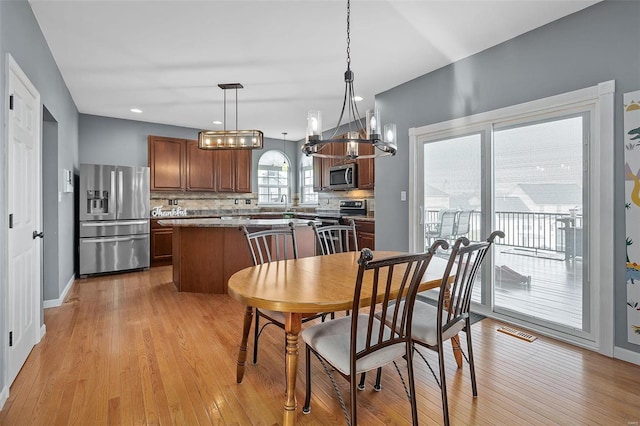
(128, 349)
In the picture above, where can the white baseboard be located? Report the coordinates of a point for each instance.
(626, 355)
(4, 395)
(43, 331)
(53, 303)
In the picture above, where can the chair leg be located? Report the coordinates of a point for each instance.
(412, 384)
(353, 400)
(378, 387)
(306, 409)
(443, 385)
(472, 368)
(361, 384)
(256, 334)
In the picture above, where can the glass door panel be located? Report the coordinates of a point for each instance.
(538, 203)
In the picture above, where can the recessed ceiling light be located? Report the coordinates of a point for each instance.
(136, 110)
(217, 122)
(357, 98)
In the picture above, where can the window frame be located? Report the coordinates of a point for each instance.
(302, 169)
(287, 187)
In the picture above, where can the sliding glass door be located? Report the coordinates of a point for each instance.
(528, 178)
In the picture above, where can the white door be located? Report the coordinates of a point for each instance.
(24, 202)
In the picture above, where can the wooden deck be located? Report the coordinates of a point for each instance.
(553, 291)
(129, 349)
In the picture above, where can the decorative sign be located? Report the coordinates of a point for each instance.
(176, 211)
(632, 209)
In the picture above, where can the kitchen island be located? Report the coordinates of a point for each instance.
(206, 252)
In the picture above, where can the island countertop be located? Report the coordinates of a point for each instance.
(232, 222)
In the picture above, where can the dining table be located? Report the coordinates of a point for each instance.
(304, 287)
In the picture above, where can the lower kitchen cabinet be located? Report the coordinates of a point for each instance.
(161, 244)
(366, 234)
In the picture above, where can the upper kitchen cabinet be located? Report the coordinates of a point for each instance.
(366, 167)
(179, 165)
(233, 170)
(167, 163)
(201, 174)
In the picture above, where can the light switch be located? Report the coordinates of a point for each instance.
(403, 195)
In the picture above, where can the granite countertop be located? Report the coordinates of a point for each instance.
(232, 222)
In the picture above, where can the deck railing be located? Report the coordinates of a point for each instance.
(536, 231)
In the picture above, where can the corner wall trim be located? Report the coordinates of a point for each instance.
(4, 395)
(53, 303)
(626, 355)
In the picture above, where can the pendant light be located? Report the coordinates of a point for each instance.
(230, 139)
(384, 141)
(285, 165)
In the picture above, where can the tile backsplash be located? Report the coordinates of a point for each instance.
(189, 201)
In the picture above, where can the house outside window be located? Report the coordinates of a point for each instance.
(273, 178)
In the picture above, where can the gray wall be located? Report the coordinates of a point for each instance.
(105, 140)
(20, 36)
(597, 44)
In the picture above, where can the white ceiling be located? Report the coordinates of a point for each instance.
(167, 57)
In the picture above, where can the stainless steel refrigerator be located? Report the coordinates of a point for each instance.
(114, 218)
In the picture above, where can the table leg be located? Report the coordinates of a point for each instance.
(242, 354)
(455, 340)
(293, 325)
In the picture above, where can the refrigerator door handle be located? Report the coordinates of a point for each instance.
(118, 223)
(113, 239)
(120, 193)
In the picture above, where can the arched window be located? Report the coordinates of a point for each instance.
(273, 178)
(307, 195)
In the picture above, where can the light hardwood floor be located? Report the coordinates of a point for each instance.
(128, 349)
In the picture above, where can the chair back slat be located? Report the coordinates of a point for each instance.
(402, 273)
(272, 244)
(465, 261)
(336, 238)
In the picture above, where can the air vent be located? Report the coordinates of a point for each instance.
(517, 333)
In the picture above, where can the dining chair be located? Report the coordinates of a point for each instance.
(463, 223)
(445, 228)
(434, 325)
(361, 342)
(269, 246)
(336, 238)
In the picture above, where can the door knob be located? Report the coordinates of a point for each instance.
(37, 234)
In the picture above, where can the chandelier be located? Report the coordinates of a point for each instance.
(384, 141)
(230, 139)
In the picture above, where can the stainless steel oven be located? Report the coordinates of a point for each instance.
(343, 177)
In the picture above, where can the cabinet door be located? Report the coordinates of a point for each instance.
(243, 170)
(166, 163)
(200, 168)
(225, 170)
(161, 244)
(366, 167)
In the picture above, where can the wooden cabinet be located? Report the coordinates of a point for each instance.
(166, 161)
(366, 168)
(233, 170)
(365, 231)
(161, 244)
(179, 165)
(200, 169)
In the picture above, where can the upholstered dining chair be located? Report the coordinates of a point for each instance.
(336, 238)
(269, 246)
(434, 325)
(361, 342)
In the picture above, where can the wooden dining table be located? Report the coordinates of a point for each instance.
(304, 287)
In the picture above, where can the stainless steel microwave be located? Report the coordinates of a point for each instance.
(343, 177)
